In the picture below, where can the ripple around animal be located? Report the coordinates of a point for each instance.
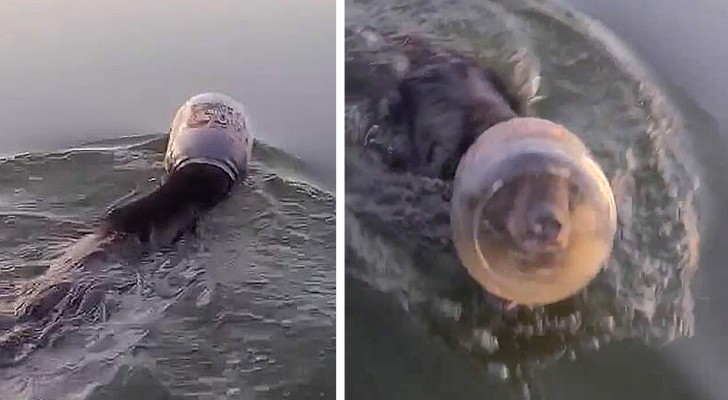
(245, 306)
(570, 70)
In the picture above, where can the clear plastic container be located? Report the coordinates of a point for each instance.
(210, 128)
(508, 160)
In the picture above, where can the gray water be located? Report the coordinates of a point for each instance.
(639, 126)
(683, 40)
(244, 308)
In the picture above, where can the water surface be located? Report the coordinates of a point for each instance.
(244, 308)
(684, 41)
(86, 70)
(642, 131)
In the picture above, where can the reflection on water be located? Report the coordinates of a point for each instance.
(576, 74)
(245, 308)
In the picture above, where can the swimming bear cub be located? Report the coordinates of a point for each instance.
(208, 150)
(532, 215)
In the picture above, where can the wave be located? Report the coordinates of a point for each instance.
(259, 269)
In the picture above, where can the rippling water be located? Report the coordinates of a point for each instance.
(570, 70)
(243, 309)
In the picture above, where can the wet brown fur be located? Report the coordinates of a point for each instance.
(507, 213)
(444, 102)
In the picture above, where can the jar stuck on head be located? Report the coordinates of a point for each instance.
(533, 215)
(210, 128)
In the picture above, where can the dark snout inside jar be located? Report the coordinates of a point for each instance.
(533, 215)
